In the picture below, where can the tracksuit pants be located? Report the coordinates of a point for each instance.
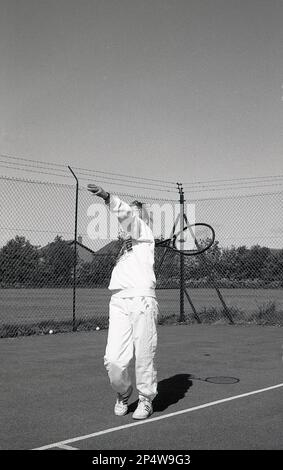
(132, 333)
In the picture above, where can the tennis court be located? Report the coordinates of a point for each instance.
(141, 155)
(55, 392)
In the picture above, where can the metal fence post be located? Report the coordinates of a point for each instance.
(75, 250)
(182, 264)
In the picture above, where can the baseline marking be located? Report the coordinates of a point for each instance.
(158, 418)
(66, 447)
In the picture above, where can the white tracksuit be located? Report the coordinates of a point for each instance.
(133, 307)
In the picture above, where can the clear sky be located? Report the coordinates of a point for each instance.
(186, 89)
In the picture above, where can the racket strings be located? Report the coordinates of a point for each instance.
(194, 239)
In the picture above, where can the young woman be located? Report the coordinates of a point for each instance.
(133, 309)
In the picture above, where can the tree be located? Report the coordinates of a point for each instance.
(204, 265)
(254, 261)
(56, 263)
(272, 269)
(18, 262)
(98, 271)
(167, 267)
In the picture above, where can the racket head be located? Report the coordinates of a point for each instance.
(194, 239)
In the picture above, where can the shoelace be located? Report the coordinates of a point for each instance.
(146, 406)
(123, 400)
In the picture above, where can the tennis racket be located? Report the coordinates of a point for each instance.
(193, 240)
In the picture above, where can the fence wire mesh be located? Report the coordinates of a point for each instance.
(239, 280)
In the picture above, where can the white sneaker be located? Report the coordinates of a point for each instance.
(144, 409)
(121, 405)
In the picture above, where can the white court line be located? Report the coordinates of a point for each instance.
(158, 418)
(65, 447)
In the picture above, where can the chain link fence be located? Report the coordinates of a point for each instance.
(239, 280)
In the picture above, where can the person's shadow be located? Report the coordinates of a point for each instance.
(170, 391)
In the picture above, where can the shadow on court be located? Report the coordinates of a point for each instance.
(174, 389)
(55, 387)
(170, 391)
